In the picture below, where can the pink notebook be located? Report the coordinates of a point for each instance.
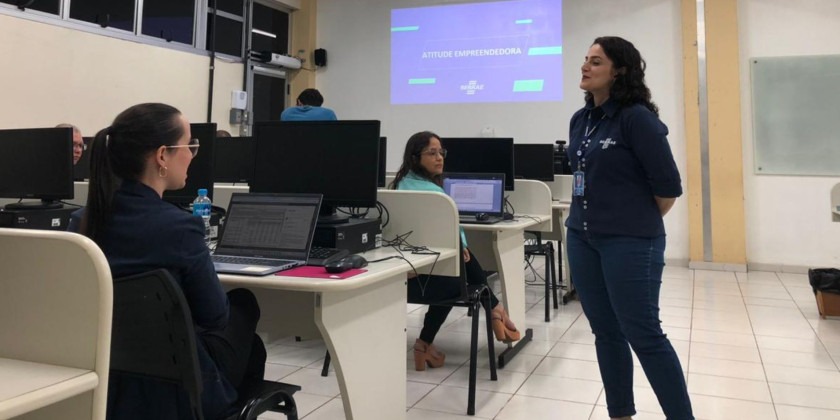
(318, 272)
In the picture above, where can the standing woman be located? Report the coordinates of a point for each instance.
(625, 181)
(421, 170)
(146, 151)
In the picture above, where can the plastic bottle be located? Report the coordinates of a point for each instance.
(201, 207)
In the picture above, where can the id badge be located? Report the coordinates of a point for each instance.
(578, 185)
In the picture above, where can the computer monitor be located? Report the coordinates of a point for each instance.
(36, 163)
(339, 159)
(200, 172)
(81, 170)
(234, 159)
(383, 154)
(534, 161)
(480, 154)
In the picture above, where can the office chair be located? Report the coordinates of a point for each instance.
(153, 336)
(472, 297)
(546, 249)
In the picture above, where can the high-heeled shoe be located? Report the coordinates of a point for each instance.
(500, 323)
(426, 354)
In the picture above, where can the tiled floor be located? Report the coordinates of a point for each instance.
(752, 346)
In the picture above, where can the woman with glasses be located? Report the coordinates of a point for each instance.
(421, 170)
(145, 152)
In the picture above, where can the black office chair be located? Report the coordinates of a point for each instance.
(153, 336)
(471, 298)
(537, 247)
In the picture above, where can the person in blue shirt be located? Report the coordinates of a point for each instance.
(308, 108)
(421, 170)
(146, 151)
(625, 181)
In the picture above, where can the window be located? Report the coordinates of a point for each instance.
(47, 6)
(105, 13)
(228, 35)
(172, 20)
(230, 6)
(270, 30)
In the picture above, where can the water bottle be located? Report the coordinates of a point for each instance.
(201, 207)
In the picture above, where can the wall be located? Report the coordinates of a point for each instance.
(355, 83)
(789, 221)
(53, 74)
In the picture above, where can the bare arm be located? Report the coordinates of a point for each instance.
(664, 204)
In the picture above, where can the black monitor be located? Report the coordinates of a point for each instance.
(200, 172)
(234, 159)
(480, 154)
(383, 155)
(534, 161)
(36, 163)
(81, 170)
(339, 159)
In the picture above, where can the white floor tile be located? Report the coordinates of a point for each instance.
(557, 388)
(454, 400)
(725, 352)
(574, 351)
(332, 410)
(521, 407)
(311, 382)
(727, 368)
(507, 381)
(805, 396)
(787, 412)
(718, 408)
(802, 376)
(819, 359)
(569, 368)
(719, 386)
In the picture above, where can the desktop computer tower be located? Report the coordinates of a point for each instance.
(357, 235)
(43, 219)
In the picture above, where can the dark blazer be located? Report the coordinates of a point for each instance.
(147, 233)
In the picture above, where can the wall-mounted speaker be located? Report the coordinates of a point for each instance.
(320, 56)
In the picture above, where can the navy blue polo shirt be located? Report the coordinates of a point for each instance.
(627, 161)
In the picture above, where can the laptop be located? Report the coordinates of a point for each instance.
(480, 197)
(266, 233)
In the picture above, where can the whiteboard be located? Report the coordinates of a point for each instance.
(796, 115)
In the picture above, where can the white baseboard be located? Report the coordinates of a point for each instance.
(703, 265)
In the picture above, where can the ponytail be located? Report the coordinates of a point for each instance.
(103, 183)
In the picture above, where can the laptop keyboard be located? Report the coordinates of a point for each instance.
(227, 259)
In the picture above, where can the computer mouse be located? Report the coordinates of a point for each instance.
(482, 216)
(346, 263)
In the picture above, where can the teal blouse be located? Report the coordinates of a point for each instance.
(414, 182)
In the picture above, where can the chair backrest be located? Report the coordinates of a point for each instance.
(153, 334)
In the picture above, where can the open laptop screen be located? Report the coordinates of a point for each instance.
(476, 193)
(269, 226)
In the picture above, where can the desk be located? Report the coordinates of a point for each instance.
(501, 247)
(55, 325)
(362, 319)
(559, 212)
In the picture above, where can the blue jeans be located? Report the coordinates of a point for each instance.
(618, 280)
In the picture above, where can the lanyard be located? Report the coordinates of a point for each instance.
(587, 133)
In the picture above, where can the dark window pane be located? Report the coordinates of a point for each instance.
(171, 20)
(228, 35)
(48, 6)
(273, 22)
(230, 6)
(107, 13)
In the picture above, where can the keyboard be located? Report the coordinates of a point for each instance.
(319, 255)
(229, 259)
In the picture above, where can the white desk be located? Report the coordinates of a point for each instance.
(501, 247)
(362, 319)
(55, 325)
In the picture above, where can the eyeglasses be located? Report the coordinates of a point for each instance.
(193, 146)
(433, 153)
(81, 146)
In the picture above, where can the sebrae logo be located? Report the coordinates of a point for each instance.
(471, 87)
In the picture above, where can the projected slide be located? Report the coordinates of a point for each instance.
(509, 51)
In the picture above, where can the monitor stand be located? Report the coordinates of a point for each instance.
(35, 205)
(328, 216)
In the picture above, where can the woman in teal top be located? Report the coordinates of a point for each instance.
(421, 170)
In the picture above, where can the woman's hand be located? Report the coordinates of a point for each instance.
(466, 255)
(664, 204)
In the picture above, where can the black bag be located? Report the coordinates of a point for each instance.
(824, 279)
